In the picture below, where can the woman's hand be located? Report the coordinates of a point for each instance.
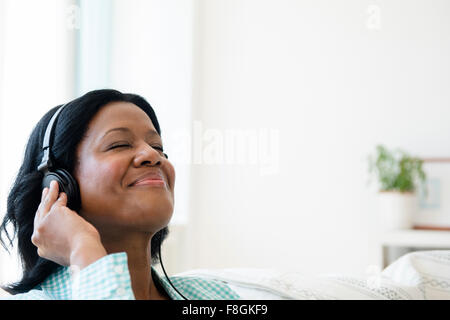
(63, 236)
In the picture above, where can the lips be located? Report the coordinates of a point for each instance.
(148, 177)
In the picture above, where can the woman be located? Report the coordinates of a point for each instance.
(104, 248)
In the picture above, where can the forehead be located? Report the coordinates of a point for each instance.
(118, 114)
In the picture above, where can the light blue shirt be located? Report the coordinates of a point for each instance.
(109, 279)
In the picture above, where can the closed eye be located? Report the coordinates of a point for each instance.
(119, 146)
(127, 145)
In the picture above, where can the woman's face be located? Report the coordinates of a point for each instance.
(111, 159)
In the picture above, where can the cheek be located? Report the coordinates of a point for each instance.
(171, 175)
(99, 177)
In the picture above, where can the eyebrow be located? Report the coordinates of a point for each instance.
(150, 133)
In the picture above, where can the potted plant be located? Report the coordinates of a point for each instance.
(398, 175)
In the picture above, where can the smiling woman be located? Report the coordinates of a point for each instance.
(104, 246)
(111, 160)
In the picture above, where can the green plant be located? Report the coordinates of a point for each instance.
(396, 170)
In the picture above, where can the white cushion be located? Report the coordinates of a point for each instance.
(415, 276)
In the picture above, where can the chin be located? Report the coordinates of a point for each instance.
(156, 218)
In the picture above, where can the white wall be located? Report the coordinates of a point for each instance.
(335, 78)
(148, 51)
(151, 55)
(36, 76)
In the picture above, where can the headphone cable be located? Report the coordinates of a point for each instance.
(170, 282)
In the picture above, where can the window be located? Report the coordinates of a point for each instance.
(53, 51)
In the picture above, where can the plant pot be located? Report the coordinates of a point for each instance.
(396, 210)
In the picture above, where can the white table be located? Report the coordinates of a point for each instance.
(417, 239)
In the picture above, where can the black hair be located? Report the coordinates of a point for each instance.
(25, 194)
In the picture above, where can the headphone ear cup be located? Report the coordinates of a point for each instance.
(66, 184)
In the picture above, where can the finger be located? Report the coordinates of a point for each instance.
(40, 252)
(56, 186)
(44, 193)
(50, 198)
(62, 199)
(37, 217)
(39, 209)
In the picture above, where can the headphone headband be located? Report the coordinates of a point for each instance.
(46, 162)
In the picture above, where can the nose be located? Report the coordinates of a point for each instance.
(147, 155)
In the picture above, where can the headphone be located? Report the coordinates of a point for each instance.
(66, 182)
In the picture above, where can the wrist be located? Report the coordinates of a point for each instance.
(86, 251)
